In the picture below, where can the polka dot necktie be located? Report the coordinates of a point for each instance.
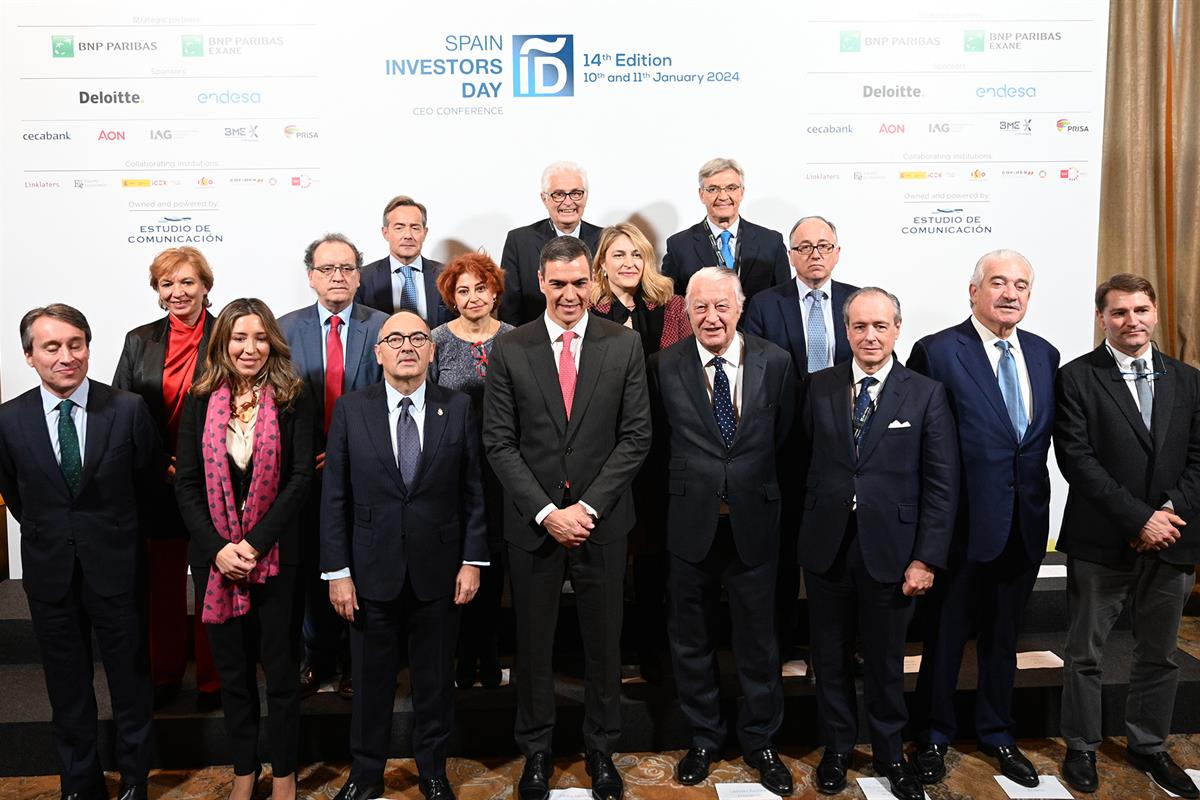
(68, 447)
(722, 404)
(408, 293)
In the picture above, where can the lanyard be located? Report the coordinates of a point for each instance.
(737, 248)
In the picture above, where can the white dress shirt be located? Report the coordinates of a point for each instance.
(826, 311)
(323, 316)
(1125, 364)
(857, 374)
(574, 232)
(734, 359)
(993, 353)
(78, 415)
(418, 271)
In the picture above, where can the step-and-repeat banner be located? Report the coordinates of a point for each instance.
(929, 133)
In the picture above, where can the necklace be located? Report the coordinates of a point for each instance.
(245, 411)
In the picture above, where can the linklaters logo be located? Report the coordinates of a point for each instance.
(62, 46)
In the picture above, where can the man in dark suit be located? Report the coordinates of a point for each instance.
(723, 404)
(402, 538)
(1000, 383)
(1127, 439)
(566, 426)
(723, 238)
(332, 344)
(404, 280)
(77, 459)
(879, 504)
(564, 193)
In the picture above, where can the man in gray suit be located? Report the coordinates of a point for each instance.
(332, 344)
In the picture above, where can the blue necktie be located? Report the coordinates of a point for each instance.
(1145, 392)
(864, 411)
(726, 251)
(408, 443)
(722, 404)
(68, 447)
(1010, 389)
(408, 294)
(817, 338)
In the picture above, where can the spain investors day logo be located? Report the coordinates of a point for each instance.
(544, 65)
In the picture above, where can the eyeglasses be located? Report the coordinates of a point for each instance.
(558, 195)
(396, 340)
(481, 359)
(806, 249)
(345, 269)
(713, 191)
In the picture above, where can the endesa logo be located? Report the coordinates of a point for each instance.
(1004, 91)
(227, 97)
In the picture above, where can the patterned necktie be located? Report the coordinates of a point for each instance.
(816, 337)
(726, 251)
(1010, 389)
(722, 402)
(408, 443)
(68, 447)
(864, 411)
(567, 373)
(1145, 392)
(408, 294)
(335, 368)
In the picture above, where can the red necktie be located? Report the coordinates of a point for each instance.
(566, 371)
(335, 368)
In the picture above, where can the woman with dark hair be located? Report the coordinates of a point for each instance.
(160, 361)
(472, 284)
(245, 463)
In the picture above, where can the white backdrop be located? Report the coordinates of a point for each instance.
(929, 135)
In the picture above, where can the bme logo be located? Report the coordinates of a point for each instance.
(544, 65)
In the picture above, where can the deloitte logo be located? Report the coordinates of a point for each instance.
(62, 46)
(544, 65)
(1065, 126)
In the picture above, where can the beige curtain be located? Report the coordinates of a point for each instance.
(1150, 191)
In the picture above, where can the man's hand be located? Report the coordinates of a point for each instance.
(320, 462)
(466, 585)
(570, 526)
(343, 597)
(1160, 531)
(232, 564)
(918, 579)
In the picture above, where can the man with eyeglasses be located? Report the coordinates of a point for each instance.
(565, 195)
(331, 352)
(756, 254)
(404, 280)
(403, 536)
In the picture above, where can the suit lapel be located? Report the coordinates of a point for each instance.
(37, 439)
(793, 323)
(375, 418)
(99, 423)
(310, 355)
(704, 249)
(754, 377)
(154, 354)
(839, 407)
(591, 364)
(1108, 375)
(890, 398)
(433, 298)
(841, 344)
(691, 372)
(545, 373)
(435, 427)
(1041, 383)
(975, 361)
(209, 322)
(356, 345)
(1164, 401)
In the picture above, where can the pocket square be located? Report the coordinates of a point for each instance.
(898, 424)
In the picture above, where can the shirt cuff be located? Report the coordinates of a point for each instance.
(337, 574)
(545, 512)
(477, 563)
(1169, 506)
(589, 509)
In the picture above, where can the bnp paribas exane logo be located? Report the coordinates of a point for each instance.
(850, 41)
(193, 45)
(544, 65)
(62, 46)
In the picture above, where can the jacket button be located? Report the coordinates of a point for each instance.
(570, 450)
(561, 484)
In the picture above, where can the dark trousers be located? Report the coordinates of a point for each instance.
(271, 624)
(326, 636)
(990, 597)
(844, 604)
(479, 632)
(64, 633)
(374, 660)
(693, 593)
(170, 630)
(597, 573)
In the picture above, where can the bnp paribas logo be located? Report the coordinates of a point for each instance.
(193, 45)
(62, 46)
(974, 41)
(544, 65)
(850, 41)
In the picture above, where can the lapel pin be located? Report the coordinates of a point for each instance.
(439, 412)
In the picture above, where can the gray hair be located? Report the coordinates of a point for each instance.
(563, 166)
(563, 248)
(310, 252)
(715, 165)
(59, 311)
(1002, 254)
(719, 273)
(876, 291)
(802, 220)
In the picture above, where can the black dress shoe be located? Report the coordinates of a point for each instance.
(1013, 764)
(693, 767)
(772, 773)
(436, 789)
(489, 673)
(535, 778)
(1165, 771)
(208, 701)
(464, 673)
(1079, 770)
(310, 683)
(831, 772)
(902, 779)
(930, 762)
(354, 790)
(606, 780)
(135, 791)
(345, 688)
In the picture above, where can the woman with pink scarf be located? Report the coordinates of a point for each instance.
(245, 463)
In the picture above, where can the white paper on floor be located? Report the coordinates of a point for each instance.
(1052, 571)
(1039, 659)
(1194, 774)
(743, 791)
(574, 793)
(876, 788)
(1048, 787)
(911, 664)
(795, 669)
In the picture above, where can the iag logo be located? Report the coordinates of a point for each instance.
(544, 65)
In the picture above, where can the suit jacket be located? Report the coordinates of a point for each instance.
(998, 473)
(280, 524)
(375, 290)
(99, 526)
(905, 479)
(1120, 473)
(775, 315)
(522, 300)
(762, 258)
(700, 469)
(302, 328)
(385, 531)
(536, 452)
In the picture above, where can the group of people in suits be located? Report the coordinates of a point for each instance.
(374, 462)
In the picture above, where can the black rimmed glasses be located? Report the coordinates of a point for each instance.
(327, 270)
(713, 191)
(558, 195)
(396, 340)
(806, 249)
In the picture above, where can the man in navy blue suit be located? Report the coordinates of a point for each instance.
(404, 280)
(332, 344)
(1000, 381)
(723, 238)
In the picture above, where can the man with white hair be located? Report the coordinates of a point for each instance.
(565, 195)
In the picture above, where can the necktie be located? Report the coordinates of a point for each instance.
(864, 411)
(726, 252)
(1145, 392)
(408, 443)
(816, 337)
(335, 368)
(1010, 389)
(68, 447)
(567, 373)
(722, 402)
(408, 294)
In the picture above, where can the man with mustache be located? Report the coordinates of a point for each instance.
(404, 280)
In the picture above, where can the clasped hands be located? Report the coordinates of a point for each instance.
(236, 561)
(570, 526)
(1160, 531)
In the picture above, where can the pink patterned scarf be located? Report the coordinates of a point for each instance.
(225, 599)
